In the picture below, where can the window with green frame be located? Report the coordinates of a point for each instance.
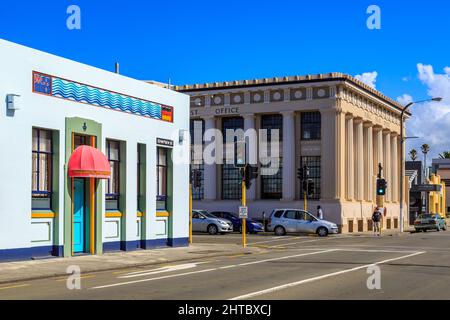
(42, 166)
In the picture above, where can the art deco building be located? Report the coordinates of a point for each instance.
(338, 126)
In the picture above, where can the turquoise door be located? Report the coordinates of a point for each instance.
(79, 218)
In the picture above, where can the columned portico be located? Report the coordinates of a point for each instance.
(387, 165)
(395, 172)
(359, 160)
(368, 162)
(350, 158)
(289, 175)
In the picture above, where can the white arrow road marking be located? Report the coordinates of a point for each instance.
(297, 283)
(213, 269)
(160, 270)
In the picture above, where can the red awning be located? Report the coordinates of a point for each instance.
(89, 162)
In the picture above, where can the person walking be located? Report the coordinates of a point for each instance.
(319, 213)
(376, 218)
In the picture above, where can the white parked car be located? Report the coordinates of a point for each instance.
(282, 221)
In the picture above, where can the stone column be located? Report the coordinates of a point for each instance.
(377, 147)
(289, 174)
(359, 160)
(387, 165)
(368, 163)
(252, 149)
(395, 171)
(350, 159)
(210, 175)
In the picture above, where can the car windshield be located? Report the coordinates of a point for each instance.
(426, 216)
(207, 214)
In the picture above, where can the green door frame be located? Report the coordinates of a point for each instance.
(86, 127)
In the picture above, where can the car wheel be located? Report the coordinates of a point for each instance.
(280, 231)
(322, 232)
(212, 229)
(424, 230)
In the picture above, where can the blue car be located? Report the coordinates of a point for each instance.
(252, 225)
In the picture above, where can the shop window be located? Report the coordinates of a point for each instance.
(272, 184)
(42, 165)
(311, 125)
(113, 184)
(161, 179)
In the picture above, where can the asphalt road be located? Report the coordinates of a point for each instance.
(412, 266)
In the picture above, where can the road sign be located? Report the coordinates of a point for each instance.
(243, 212)
(427, 188)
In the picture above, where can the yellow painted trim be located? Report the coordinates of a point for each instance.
(42, 215)
(115, 214)
(140, 214)
(162, 214)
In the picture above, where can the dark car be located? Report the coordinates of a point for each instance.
(252, 225)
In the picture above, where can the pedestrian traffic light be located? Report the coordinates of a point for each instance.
(311, 187)
(196, 179)
(381, 187)
(251, 173)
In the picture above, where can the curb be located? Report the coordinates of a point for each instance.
(134, 265)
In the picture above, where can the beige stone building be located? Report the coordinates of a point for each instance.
(338, 126)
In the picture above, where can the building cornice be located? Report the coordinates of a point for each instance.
(287, 81)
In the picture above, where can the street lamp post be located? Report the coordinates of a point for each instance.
(402, 156)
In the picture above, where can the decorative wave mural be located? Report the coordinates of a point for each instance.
(82, 93)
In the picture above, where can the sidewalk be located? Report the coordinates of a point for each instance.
(39, 269)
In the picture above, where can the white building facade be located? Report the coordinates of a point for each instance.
(336, 125)
(53, 107)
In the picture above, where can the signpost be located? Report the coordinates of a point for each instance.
(243, 212)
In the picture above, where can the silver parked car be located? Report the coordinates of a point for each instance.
(203, 221)
(282, 221)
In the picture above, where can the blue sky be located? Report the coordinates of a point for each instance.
(203, 41)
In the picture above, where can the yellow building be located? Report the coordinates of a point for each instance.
(437, 200)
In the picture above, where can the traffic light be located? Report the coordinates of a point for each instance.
(305, 186)
(311, 188)
(251, 173)
(196, 179)
(306, 172)
(381, 187)
(300, 174)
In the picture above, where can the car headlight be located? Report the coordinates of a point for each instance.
(223, 223)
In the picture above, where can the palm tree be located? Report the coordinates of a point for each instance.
(445, 155)
(413, 154)
(425, 149)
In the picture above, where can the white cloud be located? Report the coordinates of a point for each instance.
(431, 120)
(368, 78)
(404, 99)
